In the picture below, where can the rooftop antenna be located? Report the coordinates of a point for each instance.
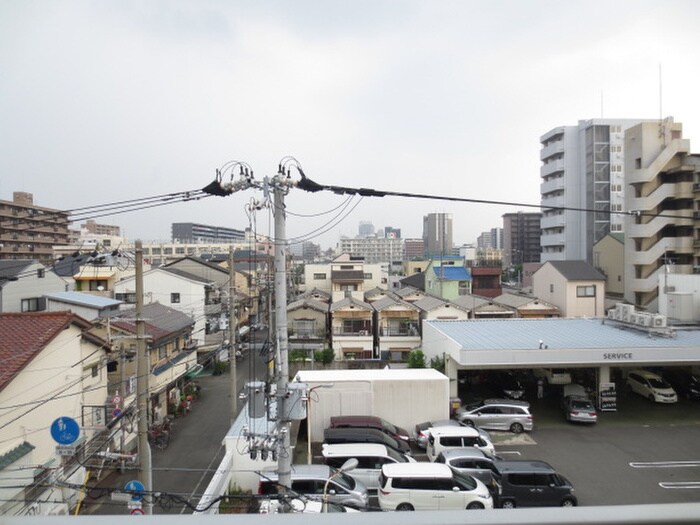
(662, 130)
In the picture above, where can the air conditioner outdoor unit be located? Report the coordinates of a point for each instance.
(632, 319)
(644, 319)
(627, 311)
(658, 321)
(611, 313)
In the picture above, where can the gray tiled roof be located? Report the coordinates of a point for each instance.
(14, 267)
(429, 303)
(9, 457)
(388, 302)
(348, 301)
(308, 302)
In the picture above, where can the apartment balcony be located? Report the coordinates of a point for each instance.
(306, 333)
(552, 221)
(677, 146)
(408, 330)
(552, 186)
(696, 187)
(555, 239)
(550, 168)
(654, 226)
(555, 148)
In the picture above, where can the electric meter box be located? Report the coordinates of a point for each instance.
(295, 406)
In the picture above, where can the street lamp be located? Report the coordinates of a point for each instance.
(308, 419)
(348, 465)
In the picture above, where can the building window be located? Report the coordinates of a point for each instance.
(41, 273)
(174, 297)
(30, 305)
(616, 227)
(551, 288)
(129, 298)
(367, 276)
(319, 277)
(97, 285)
(162, 352)
(94, 371)
(585, 291)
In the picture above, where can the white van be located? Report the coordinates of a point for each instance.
(442, 438)
(371, 457)
(430, 486)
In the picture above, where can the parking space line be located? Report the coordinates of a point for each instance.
(680, 485)
(665, 464)
(516, 452)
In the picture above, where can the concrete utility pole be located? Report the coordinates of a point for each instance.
(143, 371)
(232, 329)
(280, 185)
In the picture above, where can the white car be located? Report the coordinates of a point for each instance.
(444, 438)
(651, 386)
(296, 506)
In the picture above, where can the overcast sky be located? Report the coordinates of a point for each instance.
(107, 101)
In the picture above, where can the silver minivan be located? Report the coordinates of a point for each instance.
(371, 457)
(310, 480)
(497, 414)
(474, 462)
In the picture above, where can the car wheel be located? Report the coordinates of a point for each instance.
(568, 502)
(508, 504)
(516, 428)
(404, 506)
(474, 505)
(468, 422)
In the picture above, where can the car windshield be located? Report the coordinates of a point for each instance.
(344, 480)
(391, 428)
(399, 458)
(464, 481)
(581, 404)
(658, 383)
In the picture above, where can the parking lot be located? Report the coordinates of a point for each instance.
(643, 452)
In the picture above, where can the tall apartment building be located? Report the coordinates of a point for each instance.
(491, 239)
(30, 232)
(521, 238)
(437, 234)
(366, 229)
(582, 167)
(661, 177)
(373, 249)
(413, 249)
(188, 232)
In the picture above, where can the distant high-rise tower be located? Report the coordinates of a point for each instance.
(521, 238)
(366, 229)
(437, 234)
(582, 167)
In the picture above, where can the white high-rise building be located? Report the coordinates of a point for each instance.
(582, 167)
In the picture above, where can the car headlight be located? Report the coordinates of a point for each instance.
(485, 496)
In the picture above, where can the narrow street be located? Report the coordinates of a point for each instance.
(186, 466)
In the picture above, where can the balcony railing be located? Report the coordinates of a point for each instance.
(306, 333)
(399, 331)
(352, 332)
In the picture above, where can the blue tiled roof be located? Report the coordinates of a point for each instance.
(452, 273)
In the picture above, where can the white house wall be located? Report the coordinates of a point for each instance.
(29, 286)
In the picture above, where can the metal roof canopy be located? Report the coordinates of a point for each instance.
(555, 342)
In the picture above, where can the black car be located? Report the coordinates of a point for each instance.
(685, 383)
(506, 384)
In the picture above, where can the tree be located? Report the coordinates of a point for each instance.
(438, 363)
(416, 359)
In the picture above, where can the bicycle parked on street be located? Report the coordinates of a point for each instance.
(159, 434)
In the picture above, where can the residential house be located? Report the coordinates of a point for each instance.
(398, 327)
(484, 307)
(410, 294)
(87, 306)
(178, 289)
(171, 351)
(98, 272)
(609, 259)
(23, 283)
(575, 287)
(52, 367)
(346, 275)
(528, 307)
(352, 335)
(307, 322)
(435, 308)
(447, 277)
(486, 278)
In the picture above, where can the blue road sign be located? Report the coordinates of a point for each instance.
(137, 488)
(65, 430)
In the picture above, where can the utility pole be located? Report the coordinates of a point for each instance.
(143, 370)
(232, 329)
(284, 458)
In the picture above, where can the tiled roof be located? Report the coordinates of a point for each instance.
(350, 301)
(159, 320)
(429, 302)
(407, 290)
(13, 267)
(9, 457)
(388, 302)
(185, 274)
(417, 281)
(24, 335)
(316, 294)
(308, 302)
